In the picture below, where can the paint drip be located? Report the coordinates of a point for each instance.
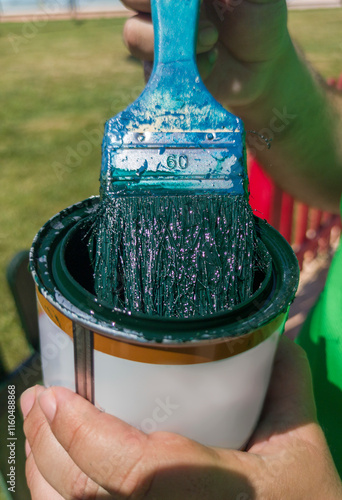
(176, 256)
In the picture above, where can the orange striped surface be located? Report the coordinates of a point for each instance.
(189, 353)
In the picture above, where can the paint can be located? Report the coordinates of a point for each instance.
(204, 378)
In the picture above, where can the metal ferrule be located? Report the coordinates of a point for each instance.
(169, 162)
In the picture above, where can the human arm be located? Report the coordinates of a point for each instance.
(263, 78)
(81, 452)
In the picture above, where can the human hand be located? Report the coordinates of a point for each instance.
(239, 44)
(264, 79)
(76, 451)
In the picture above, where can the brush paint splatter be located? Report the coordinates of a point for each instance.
(175, 256)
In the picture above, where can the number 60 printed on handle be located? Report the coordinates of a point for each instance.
(174, 161)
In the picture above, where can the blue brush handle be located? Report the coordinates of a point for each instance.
(175, 98)
(175, 24)
(144, 147)
(175, 75)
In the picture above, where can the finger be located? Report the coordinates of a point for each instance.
(291, 388)
(125, 461)
(38, 486)
(289, 402)
(28, 398)
(138, 5)
(103, 447)
(52, 461)
(207, 36)
(138, 36)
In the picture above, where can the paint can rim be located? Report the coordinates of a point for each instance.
(57, 285)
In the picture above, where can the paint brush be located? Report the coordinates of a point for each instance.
(174, 234)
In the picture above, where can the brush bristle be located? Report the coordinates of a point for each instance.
(175, 256)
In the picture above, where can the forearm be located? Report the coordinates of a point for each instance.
(302, 118)
(261, 78)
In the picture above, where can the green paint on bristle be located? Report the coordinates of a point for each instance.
(175, 234)
(175, 256)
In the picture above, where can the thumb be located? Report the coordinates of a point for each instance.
(289, 402)
(97, 443)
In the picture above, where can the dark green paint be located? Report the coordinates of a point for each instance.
(58, 278)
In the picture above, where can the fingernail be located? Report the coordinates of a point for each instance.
(27, 448)
(27, 400)
(212, 56)
(48, 404)
(208, 36)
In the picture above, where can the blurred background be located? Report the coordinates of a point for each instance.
(60, 80)
(22, 7)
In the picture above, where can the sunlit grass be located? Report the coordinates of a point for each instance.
(318, 33)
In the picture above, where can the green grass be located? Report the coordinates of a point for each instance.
(59, 82)
(318, 33)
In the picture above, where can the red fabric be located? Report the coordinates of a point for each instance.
(261, 190)
(269, 202)
(286, 220)
(339, 82)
